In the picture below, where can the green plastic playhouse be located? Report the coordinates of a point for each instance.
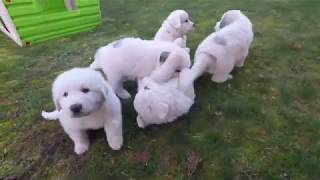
(32, 21)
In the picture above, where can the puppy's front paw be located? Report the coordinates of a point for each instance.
(188, 50)
(81, 148)
(123, 94)
(115, 142)
(45, 114)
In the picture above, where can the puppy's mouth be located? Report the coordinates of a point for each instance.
(80, 115)
(192, 28)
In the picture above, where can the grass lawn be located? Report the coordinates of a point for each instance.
(264, 124)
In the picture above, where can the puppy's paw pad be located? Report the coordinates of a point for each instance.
(81, 148)
(124, 94)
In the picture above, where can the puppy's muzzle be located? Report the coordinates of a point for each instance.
(76, 108)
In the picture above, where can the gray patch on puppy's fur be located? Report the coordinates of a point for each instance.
(117, 43)
(219, 40)
(164, 56)
(224, 22)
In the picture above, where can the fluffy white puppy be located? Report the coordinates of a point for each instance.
(83, 101)
(134, 58)
(175, 28)
(158, 103)
(225, 48)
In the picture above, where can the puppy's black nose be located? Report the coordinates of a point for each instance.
(76, 108)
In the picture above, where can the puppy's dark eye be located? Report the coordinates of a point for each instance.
(65, 94)
(187, 20)
(146, 88)
(85, 90)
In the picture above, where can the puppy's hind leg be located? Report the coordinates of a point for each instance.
(240, 62)
(188, 76)
(202, 64)
(95, 65)
(117, 86)
(80, 140)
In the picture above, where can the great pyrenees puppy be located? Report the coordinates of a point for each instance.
(225, 48)
(175, 28)
(158, 103)
(84, 101)
(134, 58)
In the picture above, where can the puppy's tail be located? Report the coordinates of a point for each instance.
(95, 65)
(217, 26)
(51, 115)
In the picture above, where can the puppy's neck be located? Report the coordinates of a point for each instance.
(170, 29)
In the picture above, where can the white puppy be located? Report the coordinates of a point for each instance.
(85, 101)
(158, 103)
(134, 58)
(175, 28)
(225, 48)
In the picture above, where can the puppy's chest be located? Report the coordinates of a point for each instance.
(88, 122)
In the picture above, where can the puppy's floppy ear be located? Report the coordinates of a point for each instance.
(175, 20)
(104, 88)
(164, 56)
(161, 110)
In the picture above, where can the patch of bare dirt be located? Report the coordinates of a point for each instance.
(193, 163)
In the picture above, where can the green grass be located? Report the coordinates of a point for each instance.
(264, 124)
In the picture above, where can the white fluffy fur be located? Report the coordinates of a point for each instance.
(158, 103)
(175, 28)
(225, 48)
(101, 108)
(134, 58)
